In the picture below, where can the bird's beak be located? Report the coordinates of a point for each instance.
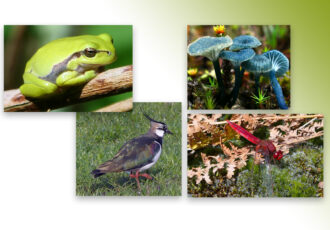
(168, 131)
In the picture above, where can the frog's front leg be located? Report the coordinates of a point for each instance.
(72, 78)
(35, 87)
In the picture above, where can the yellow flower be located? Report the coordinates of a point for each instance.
(192, 71)
(219, 30)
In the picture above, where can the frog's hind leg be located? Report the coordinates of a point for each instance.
(35, 87)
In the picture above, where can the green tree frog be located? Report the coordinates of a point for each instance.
(66, 62)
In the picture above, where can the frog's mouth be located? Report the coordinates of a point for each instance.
(83, 67)
(105, 51)
(94, 66)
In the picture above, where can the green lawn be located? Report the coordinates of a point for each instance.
(99, 137)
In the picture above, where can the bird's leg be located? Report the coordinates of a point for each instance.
(136, 176)
(145, 175)
(137, 179)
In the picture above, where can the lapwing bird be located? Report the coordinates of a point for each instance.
(137, 154)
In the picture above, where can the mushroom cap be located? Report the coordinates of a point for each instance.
(258, 64)
(244, 42)
(280, 63)
(237, 57)
(209, 47)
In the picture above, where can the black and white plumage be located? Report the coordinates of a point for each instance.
(137, 154)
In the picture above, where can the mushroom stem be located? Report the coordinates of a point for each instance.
(257, 83)
(217, 70)
(238, 83)
(278, 90)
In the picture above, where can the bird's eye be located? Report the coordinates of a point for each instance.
(90, 52)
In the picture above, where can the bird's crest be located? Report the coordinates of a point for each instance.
(157, 125)
(152, 120)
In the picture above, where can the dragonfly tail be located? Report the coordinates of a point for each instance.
(243, 132)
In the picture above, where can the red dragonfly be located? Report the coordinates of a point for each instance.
(265, 147)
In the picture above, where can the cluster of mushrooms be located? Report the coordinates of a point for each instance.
(271, 64)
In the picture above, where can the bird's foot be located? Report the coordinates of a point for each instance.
(132, 176)
(145, 175)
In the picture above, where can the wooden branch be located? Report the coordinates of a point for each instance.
(110, 82)
(272, 118)
(122, 106)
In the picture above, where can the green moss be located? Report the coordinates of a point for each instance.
(300, 173)
(297, 175)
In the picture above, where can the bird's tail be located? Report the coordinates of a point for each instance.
(96, 173)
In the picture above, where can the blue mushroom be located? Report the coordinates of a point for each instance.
(258, 65)
(236, 58)
(211, 47)
(244, 42)
(280, 65)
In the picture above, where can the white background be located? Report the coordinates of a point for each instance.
(37, 150)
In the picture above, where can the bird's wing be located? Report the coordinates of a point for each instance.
(133, 155)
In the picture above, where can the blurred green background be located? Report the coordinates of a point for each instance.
(22, 41)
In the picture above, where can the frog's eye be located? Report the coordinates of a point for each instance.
(90, 52)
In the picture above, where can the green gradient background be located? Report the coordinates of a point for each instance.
(310, 62)
(310, 36)
(160, 26)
